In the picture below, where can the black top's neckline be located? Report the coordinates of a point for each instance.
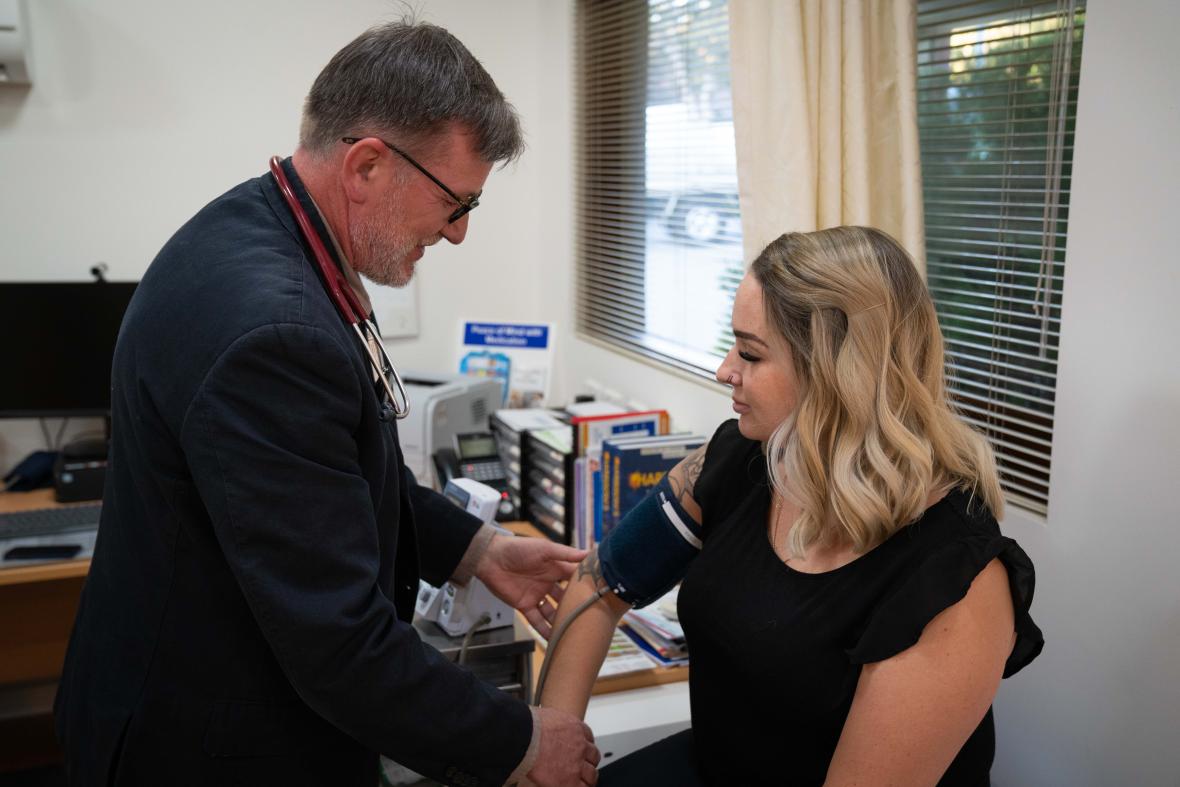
(769, 550)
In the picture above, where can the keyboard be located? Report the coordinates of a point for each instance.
(50, 521)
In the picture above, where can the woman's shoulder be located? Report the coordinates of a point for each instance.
(729, 452)
(960, 514)
(728, 437)
(732, 465)
(938, 558)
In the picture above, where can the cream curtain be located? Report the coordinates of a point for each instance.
(825, 118)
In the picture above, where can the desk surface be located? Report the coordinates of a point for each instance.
(37, 572)
(72, 570)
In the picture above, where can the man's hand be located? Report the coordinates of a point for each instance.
(566, 754)
(526, 572)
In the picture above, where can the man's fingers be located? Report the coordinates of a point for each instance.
(557, 592)
(537, 621)
(589, 733)
(557, 571)
(566, 553)
(589, 774)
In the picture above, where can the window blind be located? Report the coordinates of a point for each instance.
(659, 240)
(997, 98)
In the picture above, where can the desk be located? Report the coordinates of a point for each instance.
(38, 604)
(502, 657)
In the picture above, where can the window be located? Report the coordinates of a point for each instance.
(997, 96)
(659, 230)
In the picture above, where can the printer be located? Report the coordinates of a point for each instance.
(442, 406)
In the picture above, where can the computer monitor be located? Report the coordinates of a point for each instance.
(58, 343)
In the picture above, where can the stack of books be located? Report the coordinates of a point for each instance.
(589, 434)
(656, 630)
(631, 466)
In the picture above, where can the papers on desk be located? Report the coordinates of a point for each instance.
(657, 634)
(656, 629)
(625, 656)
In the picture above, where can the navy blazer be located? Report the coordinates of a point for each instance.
(246, 615)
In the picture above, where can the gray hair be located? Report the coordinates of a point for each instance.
(408, 81)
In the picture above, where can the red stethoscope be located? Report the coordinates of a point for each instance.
(346, 302)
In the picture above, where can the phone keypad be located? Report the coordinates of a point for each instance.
(483, 471)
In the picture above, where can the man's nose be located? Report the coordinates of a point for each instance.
(456, 232)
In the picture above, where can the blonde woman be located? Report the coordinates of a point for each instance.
(852, 605)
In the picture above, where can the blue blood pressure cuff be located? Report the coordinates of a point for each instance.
(649, 550)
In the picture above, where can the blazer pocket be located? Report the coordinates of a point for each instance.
(250, 728)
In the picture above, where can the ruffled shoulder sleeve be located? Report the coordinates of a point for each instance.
(940, 580)
(732, 463)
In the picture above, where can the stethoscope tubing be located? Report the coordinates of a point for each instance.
(343, 298)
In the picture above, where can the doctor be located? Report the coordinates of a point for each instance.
(246, 616)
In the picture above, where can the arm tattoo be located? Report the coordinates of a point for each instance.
(684, 482)
(590, 567)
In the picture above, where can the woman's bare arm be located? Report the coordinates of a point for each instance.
(912, 713)
(575, 661)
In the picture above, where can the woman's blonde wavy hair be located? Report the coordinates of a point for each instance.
(873, 433)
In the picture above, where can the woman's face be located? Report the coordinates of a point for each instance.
(759, 367)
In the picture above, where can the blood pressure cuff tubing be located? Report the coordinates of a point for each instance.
(648, 552)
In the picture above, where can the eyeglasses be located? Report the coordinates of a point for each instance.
(465, 205)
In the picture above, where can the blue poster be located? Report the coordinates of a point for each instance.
(516, 354)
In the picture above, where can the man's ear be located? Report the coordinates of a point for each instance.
(364, 170)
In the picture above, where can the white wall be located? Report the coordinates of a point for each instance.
(137, 119)
(1102, 705)
(141, 112)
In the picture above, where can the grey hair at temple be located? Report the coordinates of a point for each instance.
(407, 82)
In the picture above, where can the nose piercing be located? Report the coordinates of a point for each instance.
(729, 379)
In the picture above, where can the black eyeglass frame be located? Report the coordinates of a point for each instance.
(465, 205)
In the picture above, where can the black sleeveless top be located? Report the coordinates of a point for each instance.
(776, 653)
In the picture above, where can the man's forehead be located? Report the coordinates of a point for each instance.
(456, 155)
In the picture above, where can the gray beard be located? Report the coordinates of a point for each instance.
(381, 258)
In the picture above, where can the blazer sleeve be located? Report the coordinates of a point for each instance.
(444, 530)
(269, 439)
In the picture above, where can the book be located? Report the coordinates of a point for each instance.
(593, 407)
(649, 651)
(581, 502)
(661, 628)
(609, 448)
(589, 431)
(593, 497)
(637, 466)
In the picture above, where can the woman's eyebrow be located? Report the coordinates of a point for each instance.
(749, 337)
